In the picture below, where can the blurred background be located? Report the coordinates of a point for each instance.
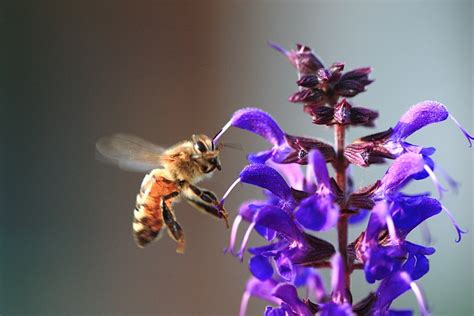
(74, 71)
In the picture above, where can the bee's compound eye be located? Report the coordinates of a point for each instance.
(200, 146)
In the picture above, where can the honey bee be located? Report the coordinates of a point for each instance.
(173, 174)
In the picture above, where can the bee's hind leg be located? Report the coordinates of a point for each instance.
(206, 201)
(174, 229)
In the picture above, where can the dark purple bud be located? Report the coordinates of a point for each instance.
(303, 58)
(363, 198)
(321, 115)
(307, 81)
(343, 112)
(369, 149)
(314, 250)
(307, 96)
(349, 88)
(337, 67)
(302, 146)
(363, 116)
(357, 74)
(323, 75)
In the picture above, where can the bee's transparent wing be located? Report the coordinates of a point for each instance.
(129, 152)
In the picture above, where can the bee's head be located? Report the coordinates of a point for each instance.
(206, 153)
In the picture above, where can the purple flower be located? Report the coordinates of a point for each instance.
(395, 285)
(383, 247)
(318, 211)
(286, 148)
(392, 143)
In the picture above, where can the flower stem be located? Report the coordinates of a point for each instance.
(342, 228)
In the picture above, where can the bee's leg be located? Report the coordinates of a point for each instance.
(206, 201)
(174, 229)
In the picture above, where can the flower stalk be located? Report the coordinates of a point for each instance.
(340, 167)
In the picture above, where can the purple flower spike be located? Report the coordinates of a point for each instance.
(298, 205)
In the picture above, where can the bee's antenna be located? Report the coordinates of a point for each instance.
(221, 132)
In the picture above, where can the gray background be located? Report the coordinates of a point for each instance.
(74, 71)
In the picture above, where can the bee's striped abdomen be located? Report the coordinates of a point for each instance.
(147, 215)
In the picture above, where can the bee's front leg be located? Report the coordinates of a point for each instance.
(206, 201)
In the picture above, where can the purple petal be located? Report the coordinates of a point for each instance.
(332, 309)
(287, 293)
(260, 267)
(381, 262)
(270, 250)
(315, 285)
(268, 178)
(389, 289)
(376, 221)
(260, 123)
(317, 163)
(248, 209)
(257, 288)
(292, 173)
(285, 267)
(275, 218)
(414, 210)
(337, 279)
(271, 311)
(317, 213)
(401, 171)
(418, 116)
(261, 157)
(359, 217)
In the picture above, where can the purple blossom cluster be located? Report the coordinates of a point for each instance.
(297, 205)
